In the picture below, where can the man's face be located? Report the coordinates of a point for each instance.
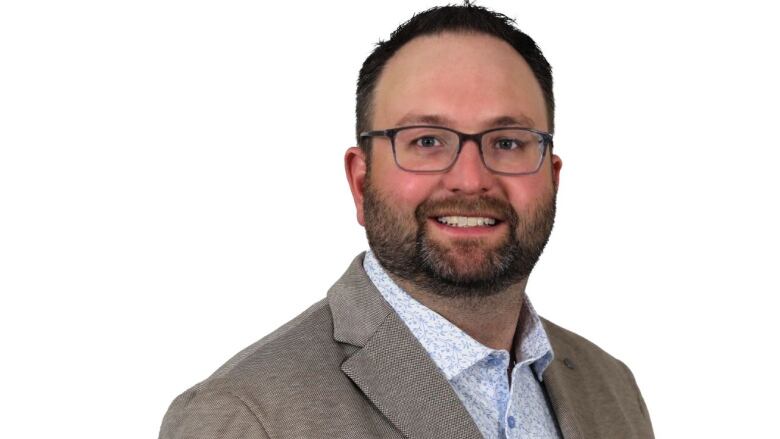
(469, 83)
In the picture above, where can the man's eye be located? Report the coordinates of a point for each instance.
(427, 142)
(509, 144)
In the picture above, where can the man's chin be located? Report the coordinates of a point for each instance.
(463, 264)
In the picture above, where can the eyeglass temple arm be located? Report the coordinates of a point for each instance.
(382, 133)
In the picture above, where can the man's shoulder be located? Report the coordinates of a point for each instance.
(309, 330)
(572, 339)
(600, 381)
(282, 365)
(300, 345)
(568, 344)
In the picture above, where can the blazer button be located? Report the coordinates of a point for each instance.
(568, 363)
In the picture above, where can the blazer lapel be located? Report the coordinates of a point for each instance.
(390, 366)
(559, 379)
(398, 376)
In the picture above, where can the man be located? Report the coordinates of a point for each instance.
(430, 333)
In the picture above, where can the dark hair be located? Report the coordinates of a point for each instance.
(465, 18)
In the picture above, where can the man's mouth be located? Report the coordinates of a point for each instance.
(467, 221)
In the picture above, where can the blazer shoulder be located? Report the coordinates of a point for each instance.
(301, 343)
(269, 378)
(316, 319)
(572, 343)
(586, 355)
(606, 376)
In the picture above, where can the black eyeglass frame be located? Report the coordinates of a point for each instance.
(546, 142)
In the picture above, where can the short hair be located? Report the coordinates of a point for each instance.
(466, 18)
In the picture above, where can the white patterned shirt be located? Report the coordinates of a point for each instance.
(477, 373)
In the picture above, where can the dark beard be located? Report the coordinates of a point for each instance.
(411, 254)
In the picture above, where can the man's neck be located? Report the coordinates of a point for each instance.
(490, 320)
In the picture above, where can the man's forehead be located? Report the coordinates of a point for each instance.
(451, 52)
(473, 78)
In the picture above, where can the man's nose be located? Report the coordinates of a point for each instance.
(469, 175)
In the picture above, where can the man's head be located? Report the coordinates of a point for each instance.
(458, 67)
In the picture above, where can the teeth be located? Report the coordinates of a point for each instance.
(466, 221)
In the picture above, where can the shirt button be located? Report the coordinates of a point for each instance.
(511, 421)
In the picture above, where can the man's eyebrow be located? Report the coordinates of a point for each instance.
(516, 120)
(423, 119)
(520, 120)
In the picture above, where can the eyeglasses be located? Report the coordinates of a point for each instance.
(432, 149)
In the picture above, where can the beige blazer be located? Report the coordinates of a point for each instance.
(348, 367)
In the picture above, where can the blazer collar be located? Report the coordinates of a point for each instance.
(395, 372)
(391, 367)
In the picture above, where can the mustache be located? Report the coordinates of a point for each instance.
(489, 206)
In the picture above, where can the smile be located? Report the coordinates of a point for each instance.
(466, 221)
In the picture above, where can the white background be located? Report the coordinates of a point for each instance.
(172, 189)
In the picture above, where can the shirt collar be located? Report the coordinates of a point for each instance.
(450, 348)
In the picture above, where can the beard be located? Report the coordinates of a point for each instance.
(464, 267)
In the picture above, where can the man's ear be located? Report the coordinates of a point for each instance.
(355, 166)
(557, 164)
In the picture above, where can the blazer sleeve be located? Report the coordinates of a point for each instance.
(210, 415)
